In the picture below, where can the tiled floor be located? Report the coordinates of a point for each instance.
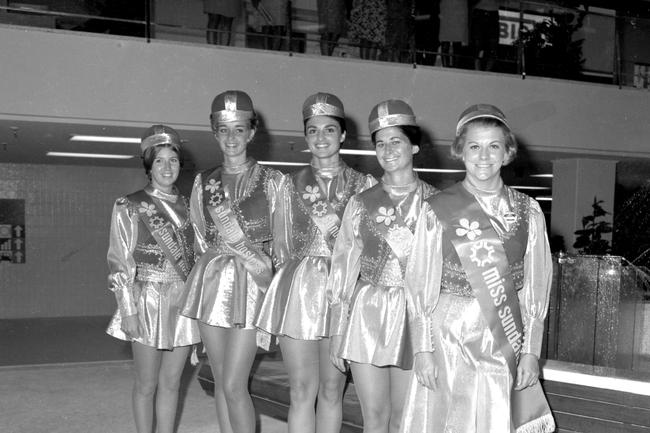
(68, 375)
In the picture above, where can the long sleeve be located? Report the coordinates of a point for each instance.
(121, 265)
(281, 220)
(538, 272)
(345, 266)
(423, 277)
(197, 216)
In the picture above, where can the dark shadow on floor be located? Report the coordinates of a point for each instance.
(59, 340)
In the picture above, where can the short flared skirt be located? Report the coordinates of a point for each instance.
(221, 292)
(474, 382)
(377, 329)
(158, 308)
(295, 305)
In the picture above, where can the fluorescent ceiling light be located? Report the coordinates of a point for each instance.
(89, 155)
(544, 198)
(542, 175)
(282, 163)
(352, 152)
(438, 170)
(104, 139)
(531, 187)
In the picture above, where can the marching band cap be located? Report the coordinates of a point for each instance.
(160, 134)
(322, 104)
(393, 112)
(232, 105)
(480, 111)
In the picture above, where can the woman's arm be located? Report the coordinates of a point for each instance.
(422, 286)
(197, 216)
(280, 192)
(121, 265)
(534, 296)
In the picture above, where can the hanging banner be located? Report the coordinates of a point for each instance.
(12, 230)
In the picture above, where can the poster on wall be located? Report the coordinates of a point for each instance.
(12, 230)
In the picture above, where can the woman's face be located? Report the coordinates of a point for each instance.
(233, 138)
(165, 169)
(394, 150)
(484, 153)
(324, 137)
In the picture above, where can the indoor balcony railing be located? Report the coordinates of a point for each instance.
(606, 44)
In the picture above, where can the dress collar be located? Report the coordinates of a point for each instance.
(154, 192)
(237, 169)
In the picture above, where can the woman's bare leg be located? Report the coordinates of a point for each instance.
(169, 380)
(146, 362)
(215, 340)
(373, 389)
(301, 359)
(399, 382)
(329, 409)
(238, 361)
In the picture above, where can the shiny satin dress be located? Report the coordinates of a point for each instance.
(144, 281)
(366, 284)
(474, 379)
(220, 290)
(296, 304)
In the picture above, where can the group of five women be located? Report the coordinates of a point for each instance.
(435, 301)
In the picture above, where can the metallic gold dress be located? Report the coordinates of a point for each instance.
(474, 381)
(295, 304)
(366, 284)
(144, 281)
(220, 290)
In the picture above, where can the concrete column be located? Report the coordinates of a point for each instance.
(575, 184)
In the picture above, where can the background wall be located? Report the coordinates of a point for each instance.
(67, 219)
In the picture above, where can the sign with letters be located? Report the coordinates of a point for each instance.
(12, 230)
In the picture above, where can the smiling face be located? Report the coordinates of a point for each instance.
(165, 169)
(394, 150)
(324, 137)
(233, 138)
(484, 153)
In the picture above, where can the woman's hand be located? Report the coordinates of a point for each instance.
(335, 345)
(527, 371)
(131, 326)
(426, 370)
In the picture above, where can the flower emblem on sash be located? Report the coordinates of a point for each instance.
(400, 238)
(156, 222)
(312, 193)
(482, 253)
(147, 208)
(213, 186)
(386, 216)
(216, 199)
(468, 229)
(319, 208)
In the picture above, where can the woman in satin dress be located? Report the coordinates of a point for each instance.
(231, 208)
(478, 287)
(295, 307)
(366, 284)
(149, 257)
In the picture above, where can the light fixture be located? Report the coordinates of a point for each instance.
(438, 170)
(543, 198)
(542, 175)
(89, 155)
(533, 188)
(352, 152)
(282, 163)
(104, 139)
